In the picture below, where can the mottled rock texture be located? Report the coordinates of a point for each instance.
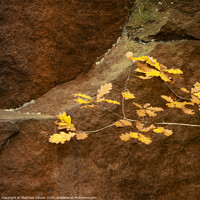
(102, 165)
(45, 43)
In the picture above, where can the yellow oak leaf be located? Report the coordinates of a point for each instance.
(153, 62)
(158, 129)
(141, 113)
(153, 73)
(138, 105)
(61, 138)
(125, 137)
(111, 101)
(170, 105)
(150, 113)
(146, 105)
(169, 99)
(167, 132)
(179, 104)
(187, 111)
(123, 123)
(144, 139)
(195, 100)
(185, 90)
(69, 128)
(197, 94)
(174, 71)
(126, 122)
(149, 128)
(157, 109)
(81, 136)
(139, 125)
(82, 95)
(64, 118)
(134, 135)
(142, 58)
(104, 89)
(82, 101)
(128, 95)
(119, 124)
(165, 77)
(196, 88)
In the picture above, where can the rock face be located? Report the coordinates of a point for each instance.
(45, 43)
(102, 166)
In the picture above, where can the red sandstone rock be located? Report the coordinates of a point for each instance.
(102, 165)
(45, 43)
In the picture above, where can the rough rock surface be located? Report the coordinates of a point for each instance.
(45, 43)
(102, 165)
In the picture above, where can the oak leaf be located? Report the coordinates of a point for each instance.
(104, 89)
(166, 132)
(138, 105)
(81, 136)
(187, 111)
(127, 95)
(125, 137)
(65, 122)
(140, 127)
(144, 139)
(185, 90)
(141, 113)
(61, 138)
(83, 95)
(134, 135)
(169, 99)
(123, 123)
(147, 109)
(110, 101)
(195, 100)
(82, 101)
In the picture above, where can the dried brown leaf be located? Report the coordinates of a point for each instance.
(104, 89)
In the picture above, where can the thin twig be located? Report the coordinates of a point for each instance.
(127, 80)
(179, 124)
(182, 98)
(97, 129)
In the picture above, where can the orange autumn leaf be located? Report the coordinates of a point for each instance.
(81, 136)
(125, 137)
(127, 95)
(166, 132)
(144, 139)
(123, 123)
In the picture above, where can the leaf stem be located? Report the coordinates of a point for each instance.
(181, 98)
(179, 124)
(97, 129)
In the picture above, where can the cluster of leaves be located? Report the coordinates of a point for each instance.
(84, 99)
(65, 124)
(151, 68)
(194, 99)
